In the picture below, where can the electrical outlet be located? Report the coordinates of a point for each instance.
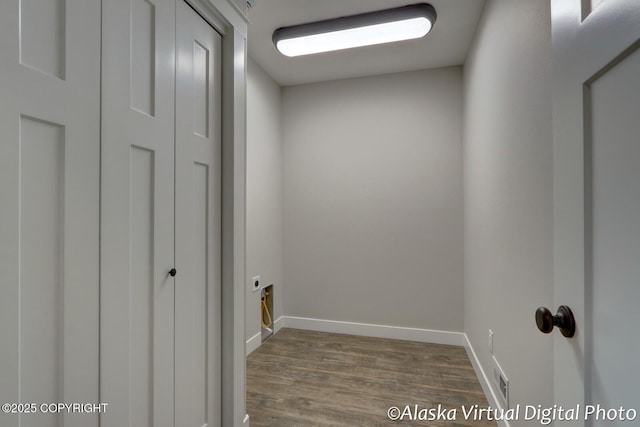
(490, 341)
(255, 283)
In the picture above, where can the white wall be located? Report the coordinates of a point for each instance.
(508, 194)
(264, 192)
(373, 203)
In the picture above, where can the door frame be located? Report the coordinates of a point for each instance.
(226, 18)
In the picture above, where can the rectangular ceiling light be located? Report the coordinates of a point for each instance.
(384, 26)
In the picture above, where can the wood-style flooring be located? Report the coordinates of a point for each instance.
(306, 379)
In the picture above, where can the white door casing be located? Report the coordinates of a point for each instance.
(198, 220)
(596, 61)
(49, 181)
(137, 213)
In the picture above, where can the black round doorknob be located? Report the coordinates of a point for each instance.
(173, 272)
(564, 320)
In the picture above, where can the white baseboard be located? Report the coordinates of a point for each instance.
(376, 331)
(278, 324)
(362, 329)
(245, 423)
(489, 392)
(255, 341)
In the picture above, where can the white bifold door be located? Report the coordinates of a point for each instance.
(198, 196)
(160, 216)
(49, 210)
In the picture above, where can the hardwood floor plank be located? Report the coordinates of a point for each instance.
(304, 378)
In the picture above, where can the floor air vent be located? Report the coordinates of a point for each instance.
(502, 383)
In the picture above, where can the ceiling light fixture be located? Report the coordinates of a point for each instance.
(384, 26)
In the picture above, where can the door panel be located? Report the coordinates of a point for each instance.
(42, 148)
(143, 50)
(42, 36)
(137, 222)
(141, 285)
(596, 210)
(614, 186)
(198, 184)
(49, 182)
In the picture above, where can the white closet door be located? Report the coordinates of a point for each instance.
(137, 213)
(49, 211)
(198, 186)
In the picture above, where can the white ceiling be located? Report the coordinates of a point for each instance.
(446, 45)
